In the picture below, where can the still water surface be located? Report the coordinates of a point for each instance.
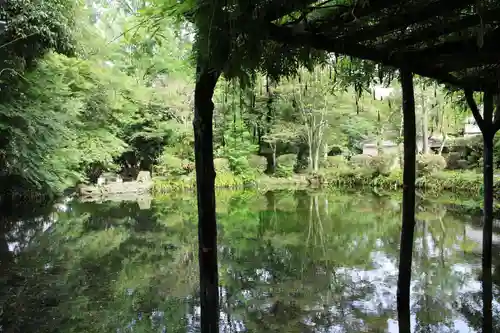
(289, 262)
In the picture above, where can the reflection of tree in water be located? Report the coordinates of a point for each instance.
(19, 226)
(470, 302)
(102, 268)
(289, 262)
(436, 283)
(448, 290)
(292, 283)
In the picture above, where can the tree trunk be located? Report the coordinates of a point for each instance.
(205, 183)
(273, 167)
(445, 137)
(311, 157)
(408, 224)
(425, 125)
(5, 254)
(316, 157)
(8, 278)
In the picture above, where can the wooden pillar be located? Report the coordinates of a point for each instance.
(205, 187)
(488, 127)
(408, 218)
(488, 135)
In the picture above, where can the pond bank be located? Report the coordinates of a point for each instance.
(463, 182)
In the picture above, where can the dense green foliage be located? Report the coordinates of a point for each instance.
(70, 118)
(113, 92)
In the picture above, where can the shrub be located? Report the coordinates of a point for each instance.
(283, 172)
(452, 160)
(348, 177)
(239, 145)
(302, 164)
(335, 162)
(257, 162)
(285, 165)
(239, 165)
(430, 163)
(317, 179)
(222, 165)
(188, 166)
(169, 165)
(384, 164)
(463, 164)
(392, 181)
(287, 159)
(162, 185)
(228, 180)
(473, 150)
(360, 161)
(457, 181)
(338, 150)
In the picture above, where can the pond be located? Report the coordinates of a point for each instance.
(288, 261)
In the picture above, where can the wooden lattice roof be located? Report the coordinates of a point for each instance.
(453, 41)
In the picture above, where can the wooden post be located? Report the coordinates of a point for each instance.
(488, 215)
(205, 188)
(408, 219)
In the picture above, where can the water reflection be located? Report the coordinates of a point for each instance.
(289, 262)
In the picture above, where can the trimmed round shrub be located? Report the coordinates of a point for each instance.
(463, 164)
(302, 164)
(257, 162)
(452, 160)
(222, 165)
(384, 164)
(360, 161)
(337, 150)
(188, 166)
(430, 163)
(286, 160)
(335, 162)
(169, 165)
(285, 165)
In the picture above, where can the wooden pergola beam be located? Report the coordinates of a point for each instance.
(417, 65)
(470, 45)
(277, 9)
(351, 14)
(444, 62)
(486, 74)
(406, 17)
(434, 31)
(454, 63)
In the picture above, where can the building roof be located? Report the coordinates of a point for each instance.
(455, 42)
